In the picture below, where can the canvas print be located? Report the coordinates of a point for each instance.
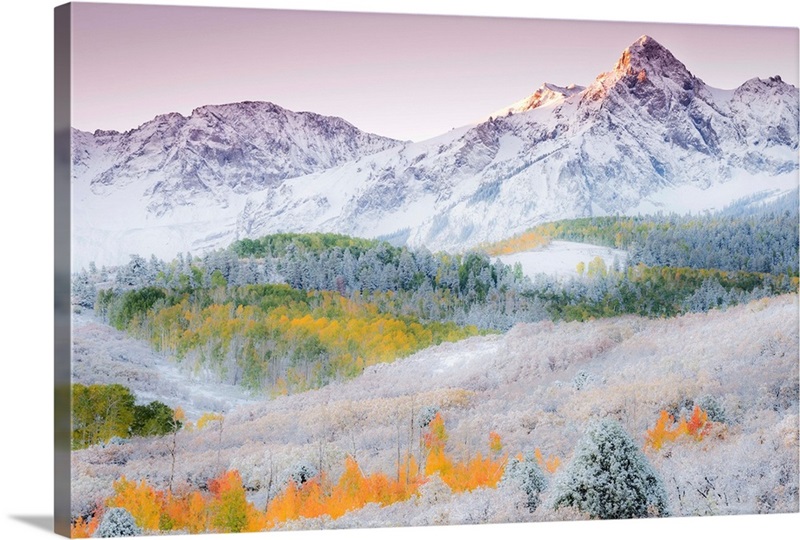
(347, 270)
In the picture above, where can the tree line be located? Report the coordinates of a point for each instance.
(289, 312)
(740, 238)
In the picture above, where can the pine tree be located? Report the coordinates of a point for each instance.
(524, 472)
(117, 522)
(610, 478)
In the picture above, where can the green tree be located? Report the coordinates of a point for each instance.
(100, 412)
(218, 280)
(155, 418)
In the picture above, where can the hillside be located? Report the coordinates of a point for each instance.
(103, 355)
(536, 386)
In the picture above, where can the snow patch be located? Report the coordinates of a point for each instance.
(561, 258)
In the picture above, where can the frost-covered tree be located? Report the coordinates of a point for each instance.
(426, 415)
(610, 478)
(84, 292)
(117, 522)
(713, 407)
(133, 274)
(581, 380)
(301, 472)
(526, 475)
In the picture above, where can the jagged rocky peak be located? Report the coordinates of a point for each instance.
(771, 84)
(645, 67)
(169, 117)
(104, 132)
(647, 57)
(240, 147)
(242, 107)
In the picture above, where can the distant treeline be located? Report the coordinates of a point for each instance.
(288, 312)
(740, 238)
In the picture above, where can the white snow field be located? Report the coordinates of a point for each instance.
(560, 258)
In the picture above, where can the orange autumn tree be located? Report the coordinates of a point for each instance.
(318, 496)
(549, 464)
(229, 509)
(185, 511)
(698, 425)
(142, 501)
(459, 476)
(666, 430)
(225, 509)
(85, 529)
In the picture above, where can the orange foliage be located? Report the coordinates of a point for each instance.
(85, 529)
(229, 509)
(665, 430)
(141, 500)
(467, 475)
(661, 432)
(187, 512)
(434, 439)
(225, 510)
(353, 490)
(698, 425)
(549, 464)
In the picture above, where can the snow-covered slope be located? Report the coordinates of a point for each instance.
(536, 386)
(636, 139)
(546, 94)
(179, 183)
(639, 132)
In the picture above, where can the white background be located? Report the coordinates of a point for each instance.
(26, 195)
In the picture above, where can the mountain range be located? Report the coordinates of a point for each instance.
(646, 136)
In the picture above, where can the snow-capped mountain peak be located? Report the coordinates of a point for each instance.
(642, 65)
(239, 147)
(645, 136)
(546, 94)
(648, 55)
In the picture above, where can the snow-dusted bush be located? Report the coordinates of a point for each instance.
(610, 478)
(581, 380)
(712, 406)
(681, 407)
(301, 472)
(527, 475)
(113, 441)
(426, 415)
(117, 522)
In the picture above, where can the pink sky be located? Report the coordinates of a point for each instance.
(403, 76)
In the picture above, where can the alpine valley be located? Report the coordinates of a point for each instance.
(582, 306)
(647, 136)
